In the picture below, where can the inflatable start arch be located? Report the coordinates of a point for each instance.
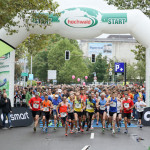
(83, 23)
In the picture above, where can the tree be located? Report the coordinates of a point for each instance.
(40, 65)
(18, 71)
(10, 8)
(74, 66)
(100, 67)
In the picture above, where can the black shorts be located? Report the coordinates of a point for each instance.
(140, 114)
(71, 116)
(118, 114)
(78, 113)
(64, 119)
(112, 113)
(84, 112)
(34, 113)
(102, 111)
(96, 110)
(46, 114)
(128, 115)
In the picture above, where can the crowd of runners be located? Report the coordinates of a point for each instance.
(78, 106)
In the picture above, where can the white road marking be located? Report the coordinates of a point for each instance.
(86, 147)
(92, 136)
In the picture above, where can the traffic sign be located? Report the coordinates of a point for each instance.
(119, 67)
(110, 69)
(31, 77)
(110, 73)
(24, 74)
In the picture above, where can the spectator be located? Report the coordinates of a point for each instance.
(6, 110)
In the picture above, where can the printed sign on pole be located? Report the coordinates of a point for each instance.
(119, 67)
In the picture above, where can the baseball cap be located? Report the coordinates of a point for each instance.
(56, 95)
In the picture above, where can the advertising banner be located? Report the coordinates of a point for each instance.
(100, 48)
(146, 117)
(7, 63)
(20, 117)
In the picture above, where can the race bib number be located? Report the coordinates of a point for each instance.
(17, 100)
(113, 104)
(89, 107)
(54, 107)
(36, 106)
(126, 105)
(102, 107)
(78, 105)
(63, 114)
(46, 109)
(24, 100)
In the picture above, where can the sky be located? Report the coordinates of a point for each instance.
(100, 5)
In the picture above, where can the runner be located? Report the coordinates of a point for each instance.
(139, 106)
(102, 107)
(127, 106)
(55, 103)
(79, 106)
(97, 109)
(47, 105)
(119, 114)
(90, 107)
(63, 108)
(94, 116)
(34, 104)
(113, 111)
(71, 113)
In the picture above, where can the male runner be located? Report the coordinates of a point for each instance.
(127, 106)
(47, 105)
(64, 107)
(79, 106)
(55, 103)
(34, 104)
(113, 110)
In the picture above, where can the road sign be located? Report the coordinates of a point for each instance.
(52, 74)
(31, 77)
(110, 69)
(119, 67)
(24, 74)
(110, 73)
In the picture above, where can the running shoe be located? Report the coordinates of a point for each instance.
(57, 125)
(43, 129)
(103, 130)
(126, 131)
(129, 123)
(46, 129)
(96, 123)
(34, 129)
(91, 128)
(10, 127)
(82, 130)
(54, 128)
(141, 126)
(50, 123)
(87, 129)
(113, 131)
(76, 130)
(71, 131)
(110, 128)
(66, 134)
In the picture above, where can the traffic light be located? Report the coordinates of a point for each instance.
(67, 55)
(93, 58)
(110, 78)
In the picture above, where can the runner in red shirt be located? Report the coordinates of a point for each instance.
(127, 106)
(35, 106)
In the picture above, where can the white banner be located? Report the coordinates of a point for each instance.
(51, 74)
(7, 74)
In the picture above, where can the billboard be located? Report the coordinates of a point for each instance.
(100, 48)
(7, 62)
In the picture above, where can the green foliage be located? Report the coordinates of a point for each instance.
(34, 83)
(100, 67)
(40, 65)
(10, 8)
(18, 71)
(139, 53)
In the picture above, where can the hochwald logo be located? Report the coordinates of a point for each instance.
(81, 22)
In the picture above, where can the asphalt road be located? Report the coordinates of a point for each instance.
(24, 139)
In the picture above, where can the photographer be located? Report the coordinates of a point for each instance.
(6, 110)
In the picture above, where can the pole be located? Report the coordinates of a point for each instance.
(125, 76)
(24, 72)
(31, 68)
(148, 77)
